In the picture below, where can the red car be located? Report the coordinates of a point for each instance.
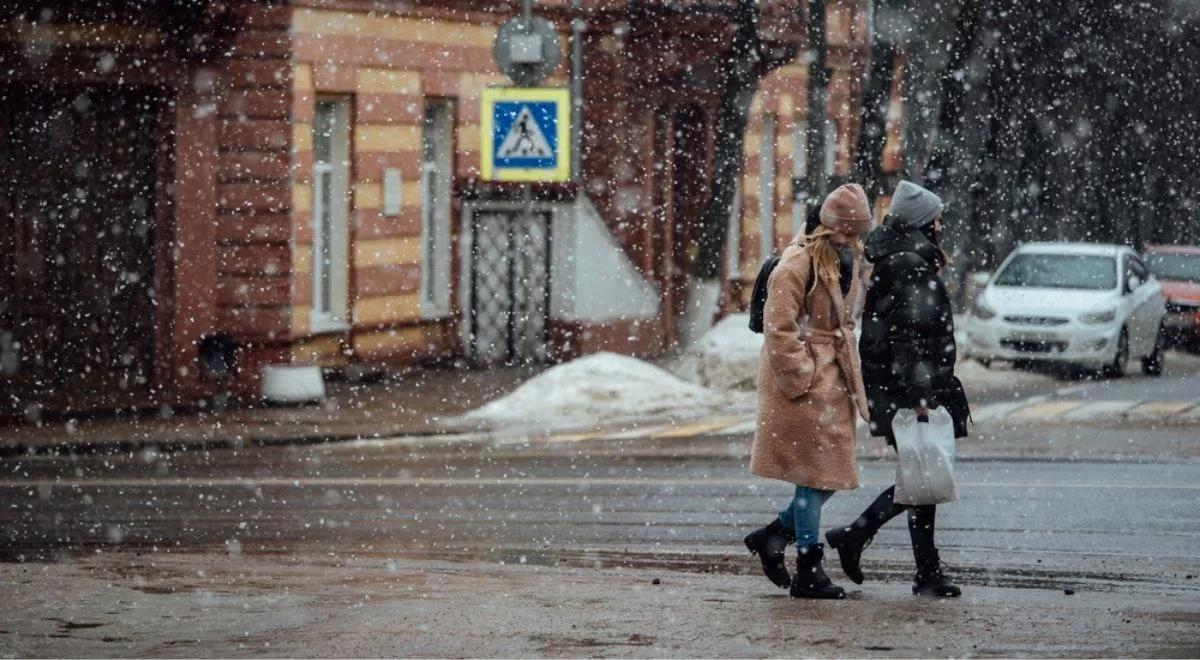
(1177, 267)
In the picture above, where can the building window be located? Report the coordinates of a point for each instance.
(766, 187)
(733, 240)
(330, 210)
(437, 169)
(800, 191)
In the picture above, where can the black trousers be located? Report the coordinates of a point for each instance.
(921, 521)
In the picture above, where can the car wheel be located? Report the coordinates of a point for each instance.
(1120, 364)
(1152, 365)
(987, 364)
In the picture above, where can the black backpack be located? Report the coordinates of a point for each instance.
(758, 300)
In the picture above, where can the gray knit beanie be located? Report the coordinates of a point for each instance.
(913, 206)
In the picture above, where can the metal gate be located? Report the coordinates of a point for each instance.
(509, 286)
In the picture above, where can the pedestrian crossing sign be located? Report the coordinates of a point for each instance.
(525, 134)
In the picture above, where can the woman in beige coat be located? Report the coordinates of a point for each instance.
(810, 388)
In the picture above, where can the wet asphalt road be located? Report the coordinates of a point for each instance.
(677, 504)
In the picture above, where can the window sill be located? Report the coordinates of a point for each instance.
(325, 325)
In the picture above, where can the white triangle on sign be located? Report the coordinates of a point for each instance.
(525, 139)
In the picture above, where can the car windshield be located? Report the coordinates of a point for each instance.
(1060, 271)
(1172, 266)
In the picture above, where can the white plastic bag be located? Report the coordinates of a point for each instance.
(925, 473)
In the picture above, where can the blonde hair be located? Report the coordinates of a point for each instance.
(824, 256)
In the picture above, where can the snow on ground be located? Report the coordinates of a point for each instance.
(726, 357)
(975, 376)
(601, 389)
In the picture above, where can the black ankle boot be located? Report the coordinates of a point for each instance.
(810, 580)
(931, 580)
(769, 543)
(850, 543)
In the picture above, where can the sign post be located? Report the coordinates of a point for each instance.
(526, 130)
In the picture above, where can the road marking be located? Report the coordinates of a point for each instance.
(317, 482)
(1159, 409)
(1043, 410)
(636, 433)
(741, 428)
(999, 410)
(692, 430)
(1092, 410)
(567, 437)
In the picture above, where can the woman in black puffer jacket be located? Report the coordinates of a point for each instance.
(908, 354)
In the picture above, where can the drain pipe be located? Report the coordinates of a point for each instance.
(577, 27)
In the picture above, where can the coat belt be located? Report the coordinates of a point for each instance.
(842, 348)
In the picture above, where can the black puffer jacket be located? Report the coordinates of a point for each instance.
(907, 344)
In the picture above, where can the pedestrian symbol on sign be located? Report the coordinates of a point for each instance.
(525, 134)
(525, 139)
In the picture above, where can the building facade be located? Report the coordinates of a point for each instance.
(194, 197)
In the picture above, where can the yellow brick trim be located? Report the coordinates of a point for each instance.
(388, 81)
(302, 259)
(300, 314)
(471, 85)
(468, 137)
(325, 22)
(386, 339)
(753, 143)
(787, 106)
(750, 186)
(367, 195)
(383, 309)
(321, 350)
(302, 137)
(301, 197)
(302, 79)
(786, 144)
(387, 251)
(792, 71)
(387, 137)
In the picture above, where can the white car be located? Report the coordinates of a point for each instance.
(1087, 305)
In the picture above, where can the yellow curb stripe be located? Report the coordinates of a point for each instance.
(692, 430)
(570, 437)
(1159, 408)
(1045, 410)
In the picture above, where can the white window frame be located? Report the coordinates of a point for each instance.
(766, 186)
(437, 163)
(733, 241)
(800, 199)
(330, 249)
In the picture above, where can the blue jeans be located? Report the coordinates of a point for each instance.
(803, 515)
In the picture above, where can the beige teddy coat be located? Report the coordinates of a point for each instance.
(809, 380)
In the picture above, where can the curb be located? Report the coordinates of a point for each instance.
(1046, 410)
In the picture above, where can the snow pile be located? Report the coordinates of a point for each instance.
(601, 388)
(726, 357)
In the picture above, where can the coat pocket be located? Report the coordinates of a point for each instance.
(796, 378)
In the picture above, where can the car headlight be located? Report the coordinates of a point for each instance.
(1097, 318)
(982, 311)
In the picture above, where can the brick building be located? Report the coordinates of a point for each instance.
(301, 180)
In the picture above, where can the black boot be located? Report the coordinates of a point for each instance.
(769, 543)
(810, 580)
(931, 580)
(850, 541)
